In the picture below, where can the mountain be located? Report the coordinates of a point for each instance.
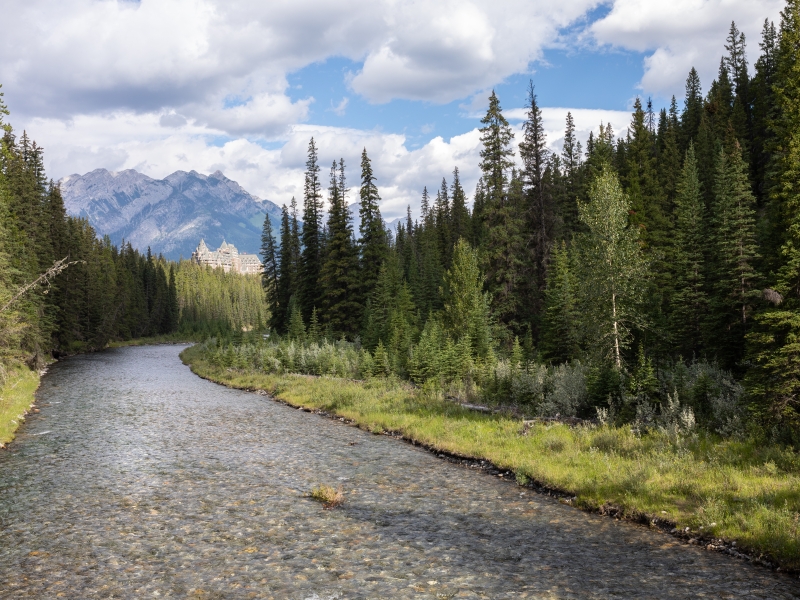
(169, 215)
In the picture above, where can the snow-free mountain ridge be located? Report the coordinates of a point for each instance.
(169, 215)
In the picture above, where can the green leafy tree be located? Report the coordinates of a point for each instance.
(614, 270)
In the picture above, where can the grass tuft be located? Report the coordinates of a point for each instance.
(330, 497)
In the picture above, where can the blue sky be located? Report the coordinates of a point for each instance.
(581, 78)
(166, 85)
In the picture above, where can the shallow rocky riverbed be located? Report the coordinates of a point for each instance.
(140, 480)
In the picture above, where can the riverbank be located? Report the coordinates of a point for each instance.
(729, 494)
(16, 398)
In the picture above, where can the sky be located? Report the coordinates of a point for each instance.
(241, 86)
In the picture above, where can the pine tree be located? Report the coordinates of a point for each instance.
(271, 269)
(785, 167)
(689, 301)
(466, 306)
(561, 323)
(339, 277)
(774, 344)
(539, 202)
(311, 255)
(503, 251)
(733, 248)
(692, 109)
(373, 243)
(571, 162)
(286, 285)
(763, 111)
(496, 151)
(459, 213)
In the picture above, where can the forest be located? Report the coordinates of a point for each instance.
(639, 278)
(64, 290)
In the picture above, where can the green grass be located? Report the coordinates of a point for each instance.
(16, 397)
(735, 490)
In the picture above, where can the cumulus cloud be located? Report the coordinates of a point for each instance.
(442, 51)
(681, 34)
(127, 140)
(78, 56)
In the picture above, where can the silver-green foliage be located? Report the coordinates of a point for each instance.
(613, 267)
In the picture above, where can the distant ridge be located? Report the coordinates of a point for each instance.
(169, 215)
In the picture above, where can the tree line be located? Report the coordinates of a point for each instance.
(64, 290)
(677, 241)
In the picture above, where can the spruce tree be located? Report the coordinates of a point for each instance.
(459, 213)
(692, 109)
(561, 324)
(373, 243)
(571, 162)
(271, 265)
(538, 203)
(339, 277)
(732, 276)
(466, 306)
(689, 300)
(311, 255)
(774, 344)
(287, 284)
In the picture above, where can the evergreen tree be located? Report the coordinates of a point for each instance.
(466, 306)
(561, 326)
(571, 162)
(373, 243)
(339, 277)
(287, 282)
(539, 204)
(459, 213)
(733, 247)
(692, 110)
(496, 152)
(689, 302)
(271, 261)
(311, 256)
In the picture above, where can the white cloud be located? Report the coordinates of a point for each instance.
(442, 51)
(79, 56)
(681, 34)
(126, 140)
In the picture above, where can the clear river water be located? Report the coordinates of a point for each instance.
(140, 480)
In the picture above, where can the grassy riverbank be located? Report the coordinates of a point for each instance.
(734, 490)
(16, 397)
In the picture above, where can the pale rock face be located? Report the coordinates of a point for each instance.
(169, 215)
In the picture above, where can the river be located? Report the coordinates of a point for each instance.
(140, 480)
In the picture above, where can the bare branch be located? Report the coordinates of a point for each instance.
(43, 279)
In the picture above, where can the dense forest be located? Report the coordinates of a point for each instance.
(660, 263)
(63, 290)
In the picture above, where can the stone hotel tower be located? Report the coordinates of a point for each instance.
(228, 258)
